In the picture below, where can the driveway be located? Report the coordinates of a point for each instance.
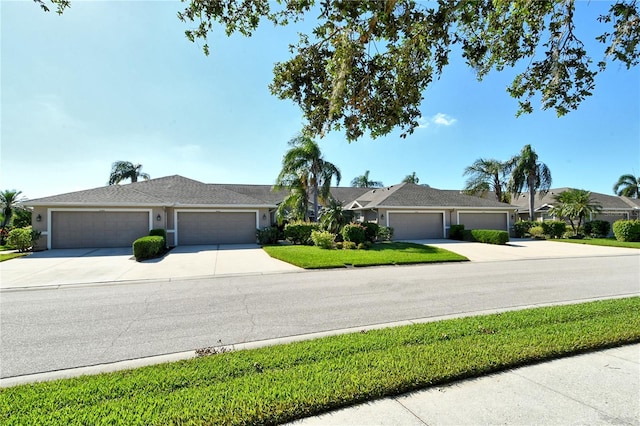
(83, 266)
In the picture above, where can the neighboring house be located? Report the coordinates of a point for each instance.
(193, 212)
(613, 207)
(419, 212)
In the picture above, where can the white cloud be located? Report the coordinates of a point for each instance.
(422, 123)
(443, 119)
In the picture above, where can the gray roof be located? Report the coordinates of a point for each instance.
(411, 195)
(608, 202)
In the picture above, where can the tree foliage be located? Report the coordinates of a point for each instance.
(305, 174)
(366, 64)
(123, 170)
(363, 181)
(9, 202)
(487, 175)
(628, 186)
(412, 178)
(575, 204)
(529, 174)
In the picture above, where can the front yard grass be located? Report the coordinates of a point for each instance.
(7, 256)
(385, 253)
(281, 383)
(612, 242)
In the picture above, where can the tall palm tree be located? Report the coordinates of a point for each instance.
(487, 175)
(9, 202)
(364, 182)
(412, 178)
(303, 168)
(122, 170)
(628, 186)
(333, 217)
(575, 203)
(530, 174)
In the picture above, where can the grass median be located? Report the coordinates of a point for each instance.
(385, 253)
(609, 242)
(281, 383)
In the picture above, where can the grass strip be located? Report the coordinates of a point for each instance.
(385, 253)
(8, 256)
(282, 383)
(609, 242)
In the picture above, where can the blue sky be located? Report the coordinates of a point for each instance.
(118, 80)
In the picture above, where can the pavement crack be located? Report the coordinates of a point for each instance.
(130, 324)
(251, 316)
(410, 411)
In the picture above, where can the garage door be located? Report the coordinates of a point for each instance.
(416, 226)
(484, 221)
(216, 228)
(97, 229)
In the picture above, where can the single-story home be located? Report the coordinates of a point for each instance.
(195, 213)
(614, 207)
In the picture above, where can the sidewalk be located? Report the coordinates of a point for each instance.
(595, 388)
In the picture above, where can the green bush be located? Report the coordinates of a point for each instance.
(323, 239)
(536, 232)
(365, 246)
(300, 232)
(159, 232)
(22, 238)
(353, 232)
(339, 245)
(597, 228)
(371, 231)
(627, 230)
(349, 245)
(268, 235)
(456, 232)
(554, 228)
(385, 233)
(147, 247)
(490, 236)
(521, 228)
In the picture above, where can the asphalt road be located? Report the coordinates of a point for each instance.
(52, 329)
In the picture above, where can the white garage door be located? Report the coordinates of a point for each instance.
(416, 226)
(196, 228)
(484, 221)
(80, 229)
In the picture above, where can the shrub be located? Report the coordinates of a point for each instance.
(159, 232)
(521, 228)
(627, 230)
(147, 247)
(300, 232)
(22, 238)
(490, 236)
(353, 232)
(339, 245)
(365, 246)
(385, 233)
(268, 235)
(554, 228)
(456, 232)
(371, 231)
(348, 245)
(597, 228)
(323, 239)
(536, 232)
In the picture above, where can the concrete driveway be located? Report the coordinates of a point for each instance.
(83, 266)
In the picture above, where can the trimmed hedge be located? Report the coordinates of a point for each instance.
(300, 232)
(354, 232)
(323, 239)
(490, 236)
(385, 233)
(268, 235)
(554, 228)
(597, 228)
(627, 230)
(147, 247)
(456, 232)
(521, 228)
(371, 231)
(159, 232)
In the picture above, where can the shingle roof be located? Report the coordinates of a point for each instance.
(412, 195)
(608, 202)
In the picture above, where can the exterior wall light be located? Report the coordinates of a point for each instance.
(264, 216)
(38, 218)
(158, 218)
(382, 216)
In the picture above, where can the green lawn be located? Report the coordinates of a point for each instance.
(612, 242)
(7, 256)
(386, 253)
(282, 383)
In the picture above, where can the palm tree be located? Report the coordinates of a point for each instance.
(333, 217)
(9, 202)
(528, 173)
(575, 203)
(122, 170)
(412, 178)
(487, 175)
(628, 186)
(364, 182)
(305, 171)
